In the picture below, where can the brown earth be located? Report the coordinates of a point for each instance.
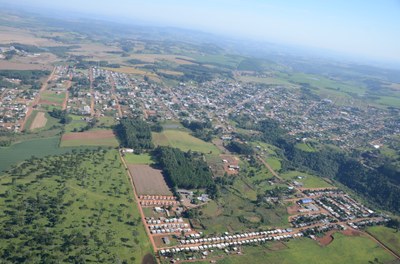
(293, 209)
(149, 259)
(148, 181)
(96, 134)
(9, 65)
(39, 121)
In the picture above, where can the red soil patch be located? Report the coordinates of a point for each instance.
(293, 209)
(230, 160)
(351, 232)
(99, 134)
(46, 102)
(326, 239)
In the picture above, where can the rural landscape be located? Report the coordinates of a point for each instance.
(135, 144)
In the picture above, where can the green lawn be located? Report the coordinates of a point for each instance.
(138, 159)
(388, 236)
(343, 249)
(79, 214)
(184, 141)
(308, 180)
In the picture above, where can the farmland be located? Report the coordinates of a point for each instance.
(148, 181)
(138, 159)
(89, 138)
(24, 150)
(105, 228)
(39, 121)
(184, 141)
(308, 180)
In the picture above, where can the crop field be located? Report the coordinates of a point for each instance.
(81, 213)
(138, 159)
(184, 141)
(388, 236)
(89, 138)
(308, 180)
(148, 181)
(24, 150)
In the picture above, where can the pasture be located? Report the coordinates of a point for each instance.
(184, 141)
(388, 236)
(89, 138)
(148, 181)
(343, 249)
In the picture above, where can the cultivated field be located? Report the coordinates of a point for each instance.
(89, 138)
(138, 159)
(184, 141)
(39, 121)
(148, 181)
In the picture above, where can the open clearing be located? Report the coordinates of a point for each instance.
(52, 97)
(308, 180)
(9, 65)
(89, 138)
(148, 181)
(343, 249)
(39, 121)
(184, 141)
(138, 159)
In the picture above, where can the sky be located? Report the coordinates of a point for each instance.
(364, 28)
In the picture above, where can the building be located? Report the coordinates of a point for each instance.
(306, 201)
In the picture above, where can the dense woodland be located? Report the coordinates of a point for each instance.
(184, 169)
(27, 77)
(134, 133)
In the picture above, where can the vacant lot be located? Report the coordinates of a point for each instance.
(148, 181)
(89, 138)
(39, 121)
(49, 97)
(184, 141)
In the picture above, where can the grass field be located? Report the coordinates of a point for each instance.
(184, 141)
(388, 236)
(138, 159)
(305, 147)
(308, 180)
(57, 98)
(343, 249)
(86, 212)
(24, 150)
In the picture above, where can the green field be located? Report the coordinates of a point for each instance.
(388, 236)
(53, 97)
(76, 214)
(184, 141)
(138, 159)
(308, 180)
(343, 249)
(305, 147)
(24, 150)
(107, 142)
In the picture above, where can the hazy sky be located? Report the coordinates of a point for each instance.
(370, 28)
